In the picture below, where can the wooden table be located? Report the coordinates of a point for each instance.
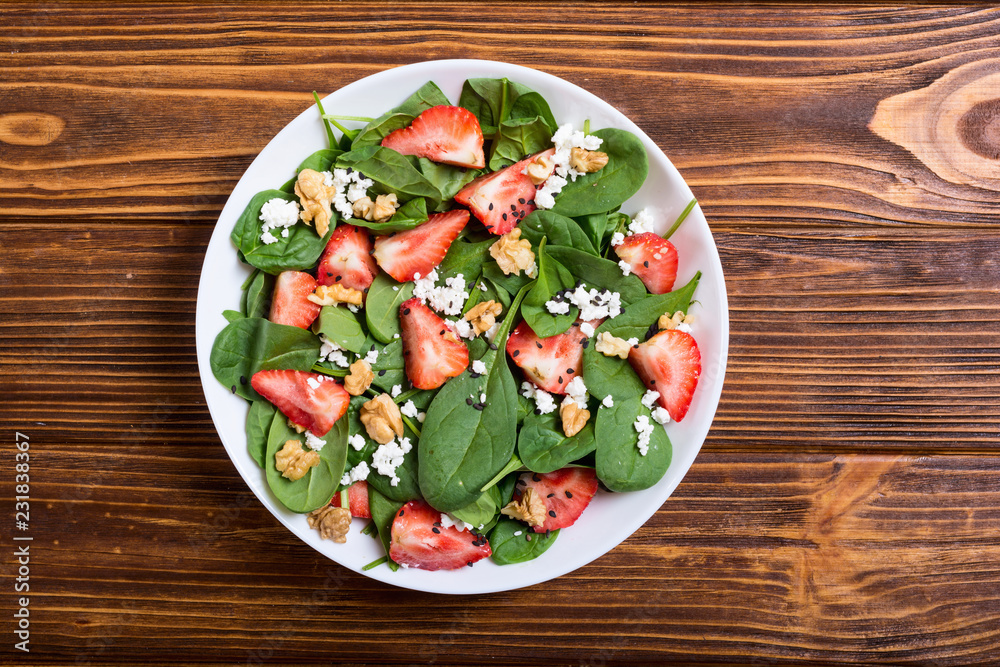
(846, 505)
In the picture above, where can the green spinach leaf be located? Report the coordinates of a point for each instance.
(258, 295)
(383, 513)
(543, 447)
(608, 188)
(620, 466)
(513, 542)
(298, 251)
(445, 177)
(382, 306)
(558, 230)
(553, 278)
(518, 138)
(427, 96)
(259, 420)
(380, 128)
(316, 488)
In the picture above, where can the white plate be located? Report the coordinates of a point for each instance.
(611, 517)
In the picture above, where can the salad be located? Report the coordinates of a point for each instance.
(453, 330)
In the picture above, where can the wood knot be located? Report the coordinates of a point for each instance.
(979, 129)
(952, 125)
(30, 128)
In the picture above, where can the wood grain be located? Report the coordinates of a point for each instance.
(845, 506)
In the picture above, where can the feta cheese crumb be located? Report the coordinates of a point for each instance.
(625, 267)
(268, 238)
(357, 441)
(448, 298)
(660, 415)
(632, 342)
(312, 441)
(358, 473)
(284, 233)
(645, 431)
(482, 398)
(277, 213)
(532, 271)
(448, 521)
(479, 367)
(617, 239)
(491, 333)
(349, 187)
(684, 326)
(587, 329)
(557, 307)
(641, 223)
(396, 390)
(608, 402)
(409, 410)
(577, 391)
(421, 416)
(330, 351)
(544, 402)
(649, 398)
(389, 456)
(371, 358)
(565, 140)
(462, 327)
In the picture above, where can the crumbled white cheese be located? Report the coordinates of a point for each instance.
(277, 213)
(421, 416)
(462, 327)
(479, 367)
(448, 521)
(625, 267)
(632, 342)
(649, 398)
(491, 333)
(518, 533)
(587, 329)
(532, 271)
(565, 140)
(544, 402)
(354, 309)
(396, 390)
(357, 441)
(358, 473)
(371, 358)
(389, 456)
(593, 305)
(660, 415)
(482, 398)
(683, 326)
(349, 187)
(645, 431)
(313, 442)
(557, 307)
(642, 222)
(608, 402)
(330, 351)
(448, 298)
(617, 239)
(409, 410)
(577, 391)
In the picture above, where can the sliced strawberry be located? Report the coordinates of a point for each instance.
(551, 363)
(419, 250)
(432, 352)
(311, 400)
(419, 540)
(669, 363)
(566, 493)
(347, 259)
(357, 500)
(501, 199)
(442, 134)
(652, 258)
(290, 304)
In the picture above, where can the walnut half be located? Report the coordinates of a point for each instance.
(331, 522)
(483, 316)
(529, 509)
(382, 419)
(380, 210)
(668, 321)
(315, 196)
(512, 253)
(574, 418)
(612, 346)
(331, 295)
(539, 169)
(359, 379)
(292, 462)
(587, 161)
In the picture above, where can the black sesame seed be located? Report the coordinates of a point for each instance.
(568, 494)
(329, 275)
(550, 495)
(586, 343)
(583, 341)
(234, 389)
(437, 523)
(479, 406)
(652, 382)
(243, 379)
(570, 371)
(337, 279)
(513, 207)
(475, 375)
(515, 353)
(469, 401)
(365, 290)
(493, 346)
(469, 563)
(491, 206)
(520, 200)
(400, 512)
(520, 482)
(504, 216)
(381, 372)
(436, 530)
(406, 311)
(652, 331)
(531, 202)
(548, 533)
(646, 264)
(560, 380)
(552, 513)
(442, 332)
(536, 478)
(538, 344)
(350, 170)
(406, 353)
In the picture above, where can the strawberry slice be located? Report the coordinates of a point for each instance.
(669, 363)
(652, 258)
(357, 500)
(432, 352)
(290, 304)
(419, 250)
(311, 400)
(551, 363)
(442, 134)
(347, 259)
(566, 493)
(501, 199)
(419, 540)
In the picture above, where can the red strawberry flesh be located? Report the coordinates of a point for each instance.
(419, 540)
(347, 259)
(290, 303)
(446, 134)
(314, 405)
(652, 258)
(502, 199)
(551, 363)
(417, 251)
(357, 500)
(566, 493)
(669, 363)
(432, 352)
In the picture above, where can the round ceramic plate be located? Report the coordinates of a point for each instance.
(611, 517)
